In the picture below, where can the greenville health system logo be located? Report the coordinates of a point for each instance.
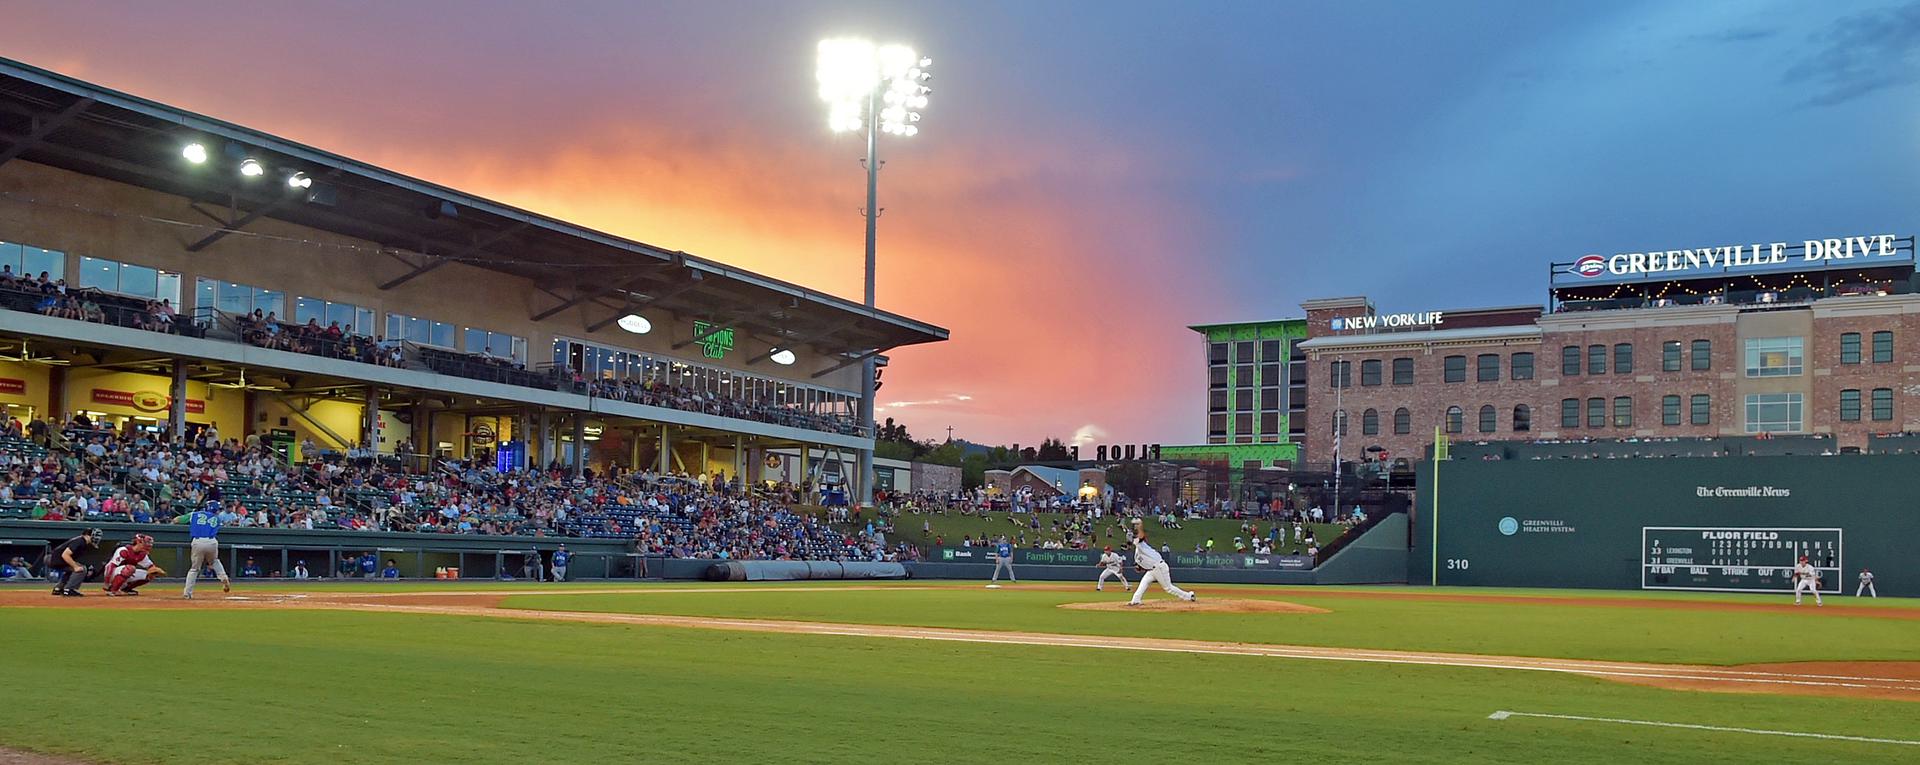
(1590, 266)
(1509, 526)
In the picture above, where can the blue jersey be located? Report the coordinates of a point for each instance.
(560, 558)
(1005, 550)
(369, 563)
(205, 523)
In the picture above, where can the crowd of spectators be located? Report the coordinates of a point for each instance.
(266, 330)
(78, 470)
(53, 297)
(661, 393)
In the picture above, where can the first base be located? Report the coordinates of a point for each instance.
(993, 586)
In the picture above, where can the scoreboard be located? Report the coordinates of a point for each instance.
(1736, 558)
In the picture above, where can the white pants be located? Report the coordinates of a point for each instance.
(1111, 572)
(1165, 578)
(1806, 585)
(1004, 563)
(559, 573)
(206, 552)
(1866, 587)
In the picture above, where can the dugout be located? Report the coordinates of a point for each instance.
(1702, 523)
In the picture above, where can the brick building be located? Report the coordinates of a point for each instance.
(1640, 345)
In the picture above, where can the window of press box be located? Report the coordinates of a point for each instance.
(352, 319)
(129, 279)
(238, 299)
(26, 261)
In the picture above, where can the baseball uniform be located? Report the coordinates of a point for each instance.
(1866, 584)
(127, 570)
(1003, 559)
(1111, 561)
(1148, 558)
(204, 526)
(1806, 579)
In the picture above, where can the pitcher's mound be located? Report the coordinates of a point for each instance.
(1203, 605)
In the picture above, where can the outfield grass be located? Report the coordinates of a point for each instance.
(1673, 635)
(222, 686)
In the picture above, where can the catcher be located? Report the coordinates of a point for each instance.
(131, 567)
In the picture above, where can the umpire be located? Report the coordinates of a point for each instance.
(64, 561)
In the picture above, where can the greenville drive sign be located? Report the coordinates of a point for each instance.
(1867, 251)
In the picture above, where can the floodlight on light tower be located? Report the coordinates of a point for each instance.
(879, 89)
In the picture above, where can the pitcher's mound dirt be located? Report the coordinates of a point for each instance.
(1898, 680)
(1203, 605)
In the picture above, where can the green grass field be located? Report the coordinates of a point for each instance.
(299, 686)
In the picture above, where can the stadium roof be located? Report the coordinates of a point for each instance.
(56, 120)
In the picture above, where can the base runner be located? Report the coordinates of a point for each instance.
(1866, 584)
(1109, 566)
(131, 567)
(1003, 559)
(204, 527)
(1806, 579)
(1153, 569)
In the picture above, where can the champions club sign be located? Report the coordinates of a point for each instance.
(1851, 252)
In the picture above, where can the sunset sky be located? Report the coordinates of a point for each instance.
(1091, 177)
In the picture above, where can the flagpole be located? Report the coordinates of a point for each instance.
(1339, 427)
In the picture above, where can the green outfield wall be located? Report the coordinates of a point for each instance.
(1717, 524)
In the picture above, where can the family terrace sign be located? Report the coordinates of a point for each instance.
(1870, 251)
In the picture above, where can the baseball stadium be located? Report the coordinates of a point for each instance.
(309, 460)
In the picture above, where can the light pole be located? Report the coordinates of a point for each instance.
(876, 89)
(1340, 380)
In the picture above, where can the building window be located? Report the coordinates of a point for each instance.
(1243, 424)
(1570, 361)
(1670, 356)
(1270, 351)
(1217, 353)
(1243, 352)
(1773, 413)
(1370, 422)
(1522, 418)
(1521, 366)
(1340, 422)
(1488, 419)
(1850, 405)
(1623, 411)
(1243, 399)
(1701, 409)
(419, 331)
(26, 261)
(1217, 378)
(1883, 347)
(1456, 419)
(129, 279)
(1216, 425)
(1342, 374)
(1623, 358)
(1217, 401)
(1850, 348)
(1454, 369)
(1702, 355)
(1569, 412)
(499, 345)
(1269, 424)
(1882, 404)
(1402, 421)
(1669, 410)
(352, 319)
(1269, 398)
(229, 297)
(1403, 371)
(1487, 367)
(1596, 413)
(1774, 357)
(1370, 372)
(1596, 359)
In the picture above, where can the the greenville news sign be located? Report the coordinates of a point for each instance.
(1737, 259)
(1022, 556)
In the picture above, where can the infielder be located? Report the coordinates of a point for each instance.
(131, 567)
(1866, 584)
(1109, 566)
(1153, 568)
(1003, 559)
(1806, 579)
(204, 527)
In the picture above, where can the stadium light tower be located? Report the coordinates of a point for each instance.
(879, 89)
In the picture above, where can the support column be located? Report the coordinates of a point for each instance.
(370, 419)
(706, 458)
(806, 466)
(579, 443)
(739, 462)
(545, 445)
(666, 449)
(177, 404)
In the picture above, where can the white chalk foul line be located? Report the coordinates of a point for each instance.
(1505, 714)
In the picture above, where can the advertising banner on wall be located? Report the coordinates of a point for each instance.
(1090, 557)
